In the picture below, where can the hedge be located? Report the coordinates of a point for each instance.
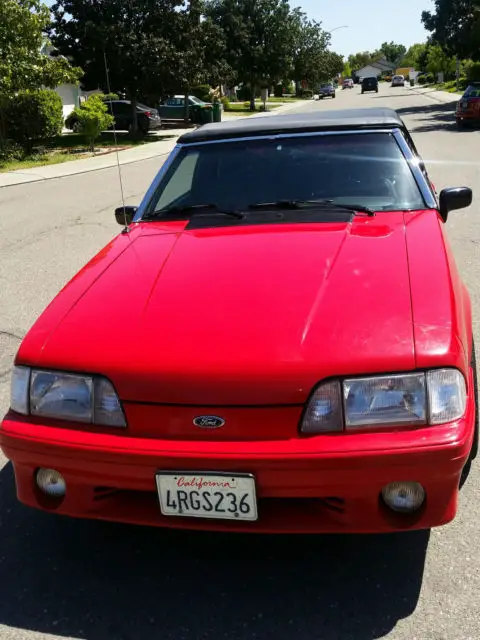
(32, 117)
(202, 92)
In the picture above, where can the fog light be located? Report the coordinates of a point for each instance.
(403, 497)
(51, 483)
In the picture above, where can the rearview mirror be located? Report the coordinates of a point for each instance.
(454, 198)
(125, 215)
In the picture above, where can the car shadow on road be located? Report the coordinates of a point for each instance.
(103, 581)
(434, 117)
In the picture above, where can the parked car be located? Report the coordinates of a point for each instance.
(326, 91)
(148, 118)
(336, 407)
(173, 108)
(370, 84)
(398, 81)
(468, 107)
(348, 83)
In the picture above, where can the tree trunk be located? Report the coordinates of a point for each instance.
(186, 114)
(252, 98)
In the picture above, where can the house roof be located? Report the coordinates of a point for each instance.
(295, 123)
(381, 65)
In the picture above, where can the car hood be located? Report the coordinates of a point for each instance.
(233, 316)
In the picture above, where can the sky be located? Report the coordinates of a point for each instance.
(370, 22)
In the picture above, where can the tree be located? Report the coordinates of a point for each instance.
(393, 52)
(416, 56)
(363, 58)
(260, 37)
(310, 51)
(438, 61)
(135, 37)
(201, 50)
(347, 70)
(22, 65)
(455, 25)
(93, 118)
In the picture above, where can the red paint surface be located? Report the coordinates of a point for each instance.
(243, 323)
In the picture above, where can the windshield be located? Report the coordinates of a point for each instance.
(473, 91)
(195, 100)
(366, 169)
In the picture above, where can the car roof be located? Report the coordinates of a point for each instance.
(296, 123)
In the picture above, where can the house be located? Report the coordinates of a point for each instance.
(375, 69)
(72, 95)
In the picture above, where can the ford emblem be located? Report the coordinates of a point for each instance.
(208, 422)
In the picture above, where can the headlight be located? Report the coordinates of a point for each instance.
(392, 400)
(432, 397)
(66, 396)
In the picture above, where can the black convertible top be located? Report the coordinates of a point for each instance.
(320, 120)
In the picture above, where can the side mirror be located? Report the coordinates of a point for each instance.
(454, 198)
(125, 215)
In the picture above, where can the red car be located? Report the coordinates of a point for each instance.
(468, 107)
(278, 341)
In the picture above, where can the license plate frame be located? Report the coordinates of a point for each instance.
(241, 485)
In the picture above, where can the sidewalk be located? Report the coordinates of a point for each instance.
(127, 156)
(434, 94)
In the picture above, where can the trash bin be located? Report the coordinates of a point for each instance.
(412, 82)
(206, 114)
(217, 112)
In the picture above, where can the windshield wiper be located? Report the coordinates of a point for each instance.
(299, 204)
(193, 210)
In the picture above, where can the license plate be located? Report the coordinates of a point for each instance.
(207, 495)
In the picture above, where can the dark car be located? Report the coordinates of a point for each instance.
(148, 118)
(173, 108)
(369, 84)
(326, 91)
(468, 107)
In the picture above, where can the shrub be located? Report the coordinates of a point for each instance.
(226, 103)
(32, 117)
(93, 118)
(202, 92)
(472, 70)
(10, 150)
(278, 91)
(422, 80)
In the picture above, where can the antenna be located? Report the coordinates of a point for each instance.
(125, 228)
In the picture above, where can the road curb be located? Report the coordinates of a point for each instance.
(428, 94)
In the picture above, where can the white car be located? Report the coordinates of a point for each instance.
(398, 81)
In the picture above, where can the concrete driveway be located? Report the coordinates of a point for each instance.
(62, 578)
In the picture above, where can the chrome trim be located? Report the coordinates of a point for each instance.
(153, 187)
(414, 164)
(280, 136)
(413, 161)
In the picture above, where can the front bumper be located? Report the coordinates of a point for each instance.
(325, 484)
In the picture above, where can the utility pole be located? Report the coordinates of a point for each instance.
(457, 72)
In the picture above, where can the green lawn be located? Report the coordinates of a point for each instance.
(449, 87)
(73, 146)
(284, 99)
(239, 107)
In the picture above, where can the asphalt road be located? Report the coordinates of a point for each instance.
(62, 578)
